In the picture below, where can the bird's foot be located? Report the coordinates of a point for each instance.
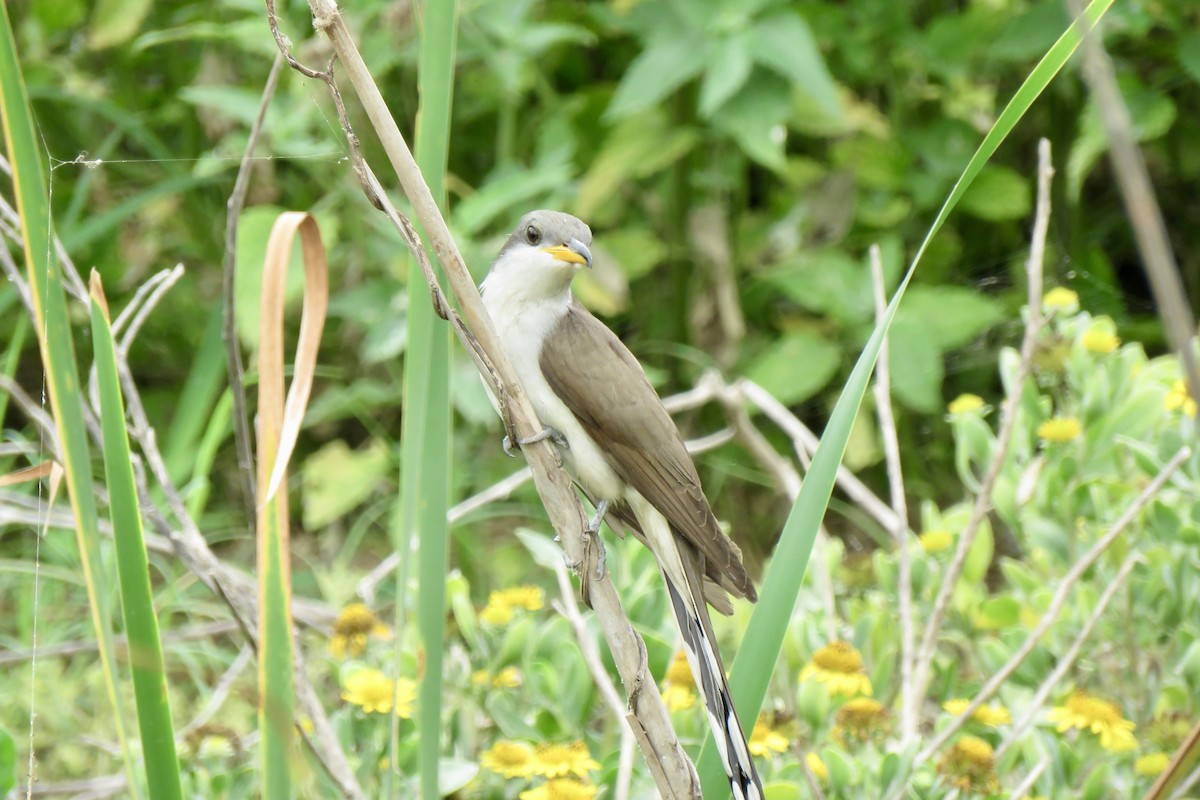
(546, 433)
(591, 534)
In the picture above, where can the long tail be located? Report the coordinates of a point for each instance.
(705, 660)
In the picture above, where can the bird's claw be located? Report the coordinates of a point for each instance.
(591, 534)
(552, 434)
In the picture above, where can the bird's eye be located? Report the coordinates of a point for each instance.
(534, 234)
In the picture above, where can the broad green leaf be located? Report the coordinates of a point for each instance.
(756, 119)
(114, 22)
(779, 790)
(658, 71)
(785, 44)
(337, 479)
(1189, 55)
(637, 148)
(506, 193)
(916, 366)
(952, 315)
(796, 367)
(726, 74)
(998, 613)
(1152, 112)
(998, 194)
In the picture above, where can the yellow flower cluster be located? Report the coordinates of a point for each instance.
(1178, 399)
(839, 666)
(1100, 341)
(1089, 713)
(965, 404)
(770, 736)
(861, 718)
(507, 678)
(970, 764)
(501, 604)
(935, 541)
(1151, 765)
(993, 716)
(352, 628)
(1060, 429)
(1061, 300)
(565, 766)
(372, 691)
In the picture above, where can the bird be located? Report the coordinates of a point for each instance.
(621, 448)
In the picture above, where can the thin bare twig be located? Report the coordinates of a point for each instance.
(1057, 602)
(1067, 660)
(1008, 420)
(233, 351)
(1023, 788)
(891, 451)
(805, 443)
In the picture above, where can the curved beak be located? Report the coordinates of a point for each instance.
(574, 252)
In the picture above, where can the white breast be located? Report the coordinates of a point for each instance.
(522, 326)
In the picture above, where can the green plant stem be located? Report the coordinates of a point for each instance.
(426, 447)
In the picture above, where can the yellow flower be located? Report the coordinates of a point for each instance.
(371, 690)
(989, 715)
(840, 667)
(970, 764)
(679, 692)
(480, 677)
(502, 603)
(561, 760)
(767, 738)
(507, 678)
(353, 627)
(936, 541)
(561, 789)
(678, 698)
(1061, 299)
(1151, 765)
(1179, 399)
(1060, 429)
(816, 766)
(679, 673)
(965, 403)
(860, 718)
(1090, 713)
(510, 759)
(1098, 340)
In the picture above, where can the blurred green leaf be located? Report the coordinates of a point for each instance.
(115, 22)
(337, 479)
(658, 71)
(999, 193)
(730, 67)
(796, 367)
(8, 762)
(784, 43)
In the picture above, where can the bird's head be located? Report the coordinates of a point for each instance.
(542, 255)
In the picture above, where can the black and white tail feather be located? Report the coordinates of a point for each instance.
(705, 660)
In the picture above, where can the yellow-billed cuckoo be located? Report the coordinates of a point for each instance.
(621, 448)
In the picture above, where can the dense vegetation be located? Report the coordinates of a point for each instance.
(735, 161)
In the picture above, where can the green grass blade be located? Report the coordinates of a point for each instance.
(200, 391)
(756, 658)
(12, 355)
(58, 357)
(133, 568)
(426, 448)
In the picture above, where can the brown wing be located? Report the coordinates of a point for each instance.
(604, 386)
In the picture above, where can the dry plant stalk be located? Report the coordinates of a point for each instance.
(674, 773)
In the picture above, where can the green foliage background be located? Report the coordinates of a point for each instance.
(767, 141)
